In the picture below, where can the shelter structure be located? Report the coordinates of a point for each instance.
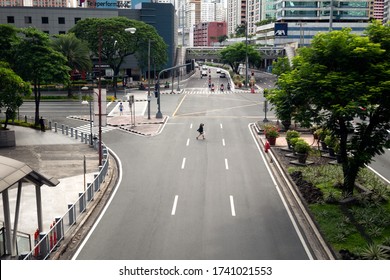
(13, 174)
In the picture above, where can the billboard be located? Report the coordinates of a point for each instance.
(281, 29)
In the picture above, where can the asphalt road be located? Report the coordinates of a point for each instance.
(182, 198)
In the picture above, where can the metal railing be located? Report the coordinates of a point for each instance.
(48, 242)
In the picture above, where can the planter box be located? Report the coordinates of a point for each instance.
(7, 138)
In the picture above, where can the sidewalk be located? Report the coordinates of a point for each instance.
(62, 157)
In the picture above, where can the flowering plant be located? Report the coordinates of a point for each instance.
(271, 131)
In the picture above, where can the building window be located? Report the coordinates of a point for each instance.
(27, 20)
(61, 20)
(45, 20)
(76, 20)
(10, 20)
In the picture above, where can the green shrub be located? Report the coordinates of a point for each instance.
(290, 134)
(301, 146)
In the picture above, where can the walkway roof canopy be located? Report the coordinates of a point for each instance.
(13, 171)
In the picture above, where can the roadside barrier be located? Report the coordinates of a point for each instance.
(47, 242)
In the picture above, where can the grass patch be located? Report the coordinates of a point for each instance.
(356, 228)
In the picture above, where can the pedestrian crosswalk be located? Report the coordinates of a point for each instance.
(206, 91)
(85, 129)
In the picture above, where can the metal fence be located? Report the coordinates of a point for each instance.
(48, 242)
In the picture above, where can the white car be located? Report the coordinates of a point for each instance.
(218, 70)
(204, 72)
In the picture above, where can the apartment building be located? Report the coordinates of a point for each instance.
(206, 34)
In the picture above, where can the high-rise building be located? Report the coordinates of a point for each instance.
(243, 13)
(208, 33)
(11, 3)
(213, 10)
(345, 10)
(298, 21)
(377, 9)
(386, 11)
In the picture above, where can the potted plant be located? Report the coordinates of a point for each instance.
(302, 149)
(292, 143)
(271, 132)
(331, 142)
(320, 134)
(291, 134)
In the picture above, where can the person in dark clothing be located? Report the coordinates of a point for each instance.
(201, 131)
(42, 124)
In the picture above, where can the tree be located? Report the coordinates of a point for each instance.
(343, 77)
(116, 43)
(76, 52)
(235, 54)
(12, 90)
(37, 62)
(222, 38)
(240, 30)
(280, 66)
(8, 40)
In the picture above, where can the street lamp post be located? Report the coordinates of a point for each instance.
(90, 115)
(246, 43)
(100, 97)
(149, 79)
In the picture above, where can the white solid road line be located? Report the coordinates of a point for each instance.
(232, 206)
(226, 164)
(174, 205)
(183, 163)
(290, 215)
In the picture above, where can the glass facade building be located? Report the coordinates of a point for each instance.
(346, 10)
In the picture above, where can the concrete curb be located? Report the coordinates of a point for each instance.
(318, 246)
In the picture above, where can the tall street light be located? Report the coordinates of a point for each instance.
(100, 97)
(246, 43)
(90, 115)
(132, 30)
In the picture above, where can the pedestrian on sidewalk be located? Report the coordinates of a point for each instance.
(120, 109)
(201, 131)
(42, 124)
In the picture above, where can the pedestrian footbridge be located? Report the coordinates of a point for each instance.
(212, 53)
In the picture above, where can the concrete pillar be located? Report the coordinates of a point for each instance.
(82, 202)
(72, 214)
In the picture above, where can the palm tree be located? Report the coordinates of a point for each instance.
(76, 51)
